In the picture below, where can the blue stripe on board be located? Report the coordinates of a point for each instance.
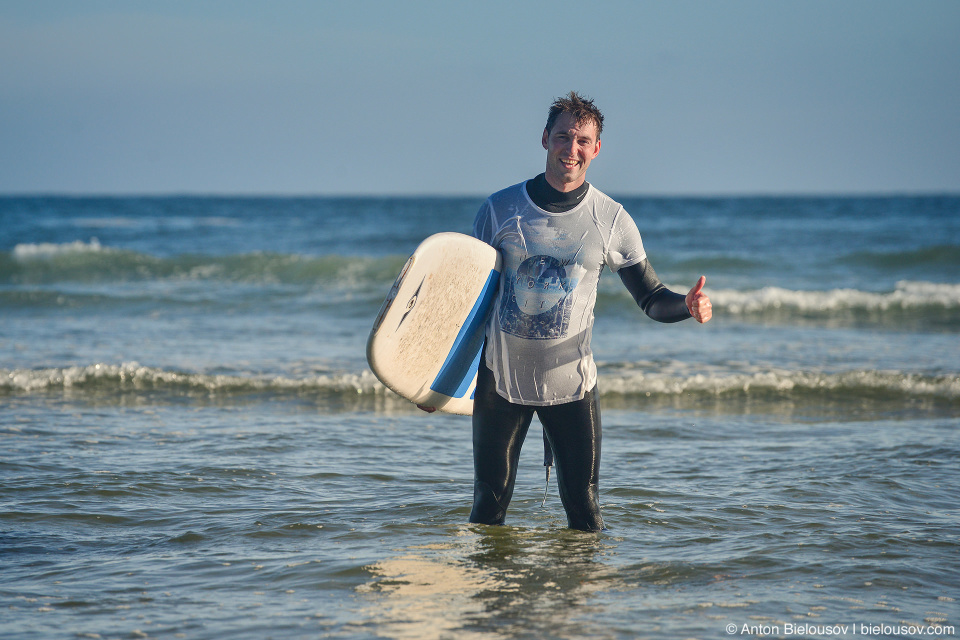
(471, 375)
(460, 367)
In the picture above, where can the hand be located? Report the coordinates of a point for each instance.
(427, 409)
(698, 303)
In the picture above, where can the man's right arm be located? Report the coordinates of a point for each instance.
(482, 224)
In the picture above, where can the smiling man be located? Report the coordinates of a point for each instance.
(555, 233)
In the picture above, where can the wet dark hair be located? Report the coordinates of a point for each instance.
(581, 108)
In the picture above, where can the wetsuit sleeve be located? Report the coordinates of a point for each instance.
(658, 302)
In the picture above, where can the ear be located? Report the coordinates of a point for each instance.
(545, 138)
(596, 151)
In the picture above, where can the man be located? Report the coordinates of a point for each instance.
(555, 234)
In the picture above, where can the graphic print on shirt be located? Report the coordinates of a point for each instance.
(537, 299)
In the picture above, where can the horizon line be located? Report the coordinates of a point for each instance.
(888, 193)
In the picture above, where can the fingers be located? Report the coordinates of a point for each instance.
(702, 309)
(427, 409)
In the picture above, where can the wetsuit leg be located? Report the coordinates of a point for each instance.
(573, 430)
(499, 427)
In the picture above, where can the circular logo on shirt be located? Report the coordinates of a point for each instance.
(540, 285)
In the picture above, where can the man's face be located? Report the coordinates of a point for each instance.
(570, 148)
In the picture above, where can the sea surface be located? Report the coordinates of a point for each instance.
(192, 445)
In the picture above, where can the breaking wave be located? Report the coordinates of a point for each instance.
(907, 296)
(133, 377)
(79, 261)
(784, 382)
(46, 273)
(911, 305)
(356, 389)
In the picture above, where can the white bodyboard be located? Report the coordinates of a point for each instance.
(426, 341)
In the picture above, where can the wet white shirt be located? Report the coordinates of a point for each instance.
(538, 334)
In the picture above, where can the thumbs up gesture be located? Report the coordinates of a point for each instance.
(698, 303)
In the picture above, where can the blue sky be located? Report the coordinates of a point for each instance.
(365, 97)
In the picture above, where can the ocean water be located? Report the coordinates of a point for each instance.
(192, 446)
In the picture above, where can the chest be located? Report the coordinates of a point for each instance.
(570, 240)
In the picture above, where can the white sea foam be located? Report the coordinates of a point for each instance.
(149, 222)
(133, 377)
(28, 251)
(784, 382)
(906, 295)
(113, 222)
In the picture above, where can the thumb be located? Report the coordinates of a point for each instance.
(697, 288)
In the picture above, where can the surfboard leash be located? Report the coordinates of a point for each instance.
(547, 463)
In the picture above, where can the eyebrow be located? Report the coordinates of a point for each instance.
(579, 136)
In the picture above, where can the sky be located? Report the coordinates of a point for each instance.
(364, 97)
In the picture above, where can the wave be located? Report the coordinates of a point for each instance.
(350, 389)
(947, 255)
(134, 384)
(786, 383)
(906, 296)
(91, 262)
(50, 249)
(910, 305)
(917, 306)
(133, 377)
(919, 263)
(44, 274)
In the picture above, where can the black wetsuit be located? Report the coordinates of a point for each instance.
(572, 432)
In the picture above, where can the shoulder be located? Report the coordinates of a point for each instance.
(601, 196)
(497, 209)
(605, 209)
(510, 193)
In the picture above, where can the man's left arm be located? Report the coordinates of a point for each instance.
(662, 304)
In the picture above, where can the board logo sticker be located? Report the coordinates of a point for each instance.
(412, 302)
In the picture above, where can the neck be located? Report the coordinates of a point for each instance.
(548, 198)
(564, 187)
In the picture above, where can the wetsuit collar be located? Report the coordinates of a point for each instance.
(551, 200)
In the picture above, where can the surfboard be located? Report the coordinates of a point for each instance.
(425, 343)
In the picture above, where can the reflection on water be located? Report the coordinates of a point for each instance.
(492, 582)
